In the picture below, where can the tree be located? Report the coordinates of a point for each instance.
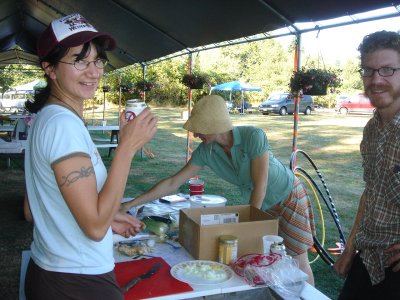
(6, 81)
(12, 75)
(351, 78)
(263, 63)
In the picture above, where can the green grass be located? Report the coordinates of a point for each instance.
(331, 140)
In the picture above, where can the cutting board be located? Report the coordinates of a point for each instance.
(160, 284)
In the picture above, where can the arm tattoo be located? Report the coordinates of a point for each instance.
(75, 175)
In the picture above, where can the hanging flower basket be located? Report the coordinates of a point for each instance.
(317, 89)
(194, 81)
(144, 86)
(313, 82)
(126, 88)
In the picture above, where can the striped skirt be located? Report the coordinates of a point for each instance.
(296, 220)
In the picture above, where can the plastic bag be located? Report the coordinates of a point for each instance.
(256, 260)
(280, 272)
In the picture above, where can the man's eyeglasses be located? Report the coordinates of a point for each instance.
(81, 65)
(384, 71)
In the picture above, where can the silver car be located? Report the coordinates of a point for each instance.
(283, 103)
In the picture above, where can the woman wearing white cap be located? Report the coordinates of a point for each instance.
(72, 200)
(243, 157)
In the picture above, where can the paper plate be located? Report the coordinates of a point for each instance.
(207, 201)
(202, 272)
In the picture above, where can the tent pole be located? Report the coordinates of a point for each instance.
(119, 95)
(189, 134)
(104, 98)
(144, 69)
(144, 97)
(296, 97)
(242, 113)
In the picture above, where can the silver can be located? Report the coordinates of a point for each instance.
(133, 108)
(278, 248)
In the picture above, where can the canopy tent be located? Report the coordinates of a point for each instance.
(234, 86)
(148, 30)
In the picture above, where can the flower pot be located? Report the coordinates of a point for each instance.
(196, 85)
(316, 90)
(144, 86)
(313, 81)
(194, 81)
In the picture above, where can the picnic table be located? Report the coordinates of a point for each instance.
(170, 255)
(8, 129)
(111, 143)
(173, 255)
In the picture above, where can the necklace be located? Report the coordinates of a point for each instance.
(66, 105)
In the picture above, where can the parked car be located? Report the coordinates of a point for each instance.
(354, 104)
(283, 103)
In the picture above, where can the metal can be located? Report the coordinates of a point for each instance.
(133, 108)
(278, 248)
(228, 247)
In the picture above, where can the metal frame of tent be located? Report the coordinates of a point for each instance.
(292, 29)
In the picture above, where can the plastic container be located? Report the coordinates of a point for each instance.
(268, 240)
(206, 201)
(196, 187)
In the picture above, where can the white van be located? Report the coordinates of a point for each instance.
(14, 100)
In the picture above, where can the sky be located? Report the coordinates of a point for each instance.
(341, 43)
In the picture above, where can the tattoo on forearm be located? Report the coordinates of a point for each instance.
(76, 175)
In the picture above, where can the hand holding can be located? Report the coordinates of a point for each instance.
(136, 133)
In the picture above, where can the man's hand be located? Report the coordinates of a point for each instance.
(343, 264)
(394, 261)
(126, 225)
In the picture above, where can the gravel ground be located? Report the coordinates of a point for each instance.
(15, 233)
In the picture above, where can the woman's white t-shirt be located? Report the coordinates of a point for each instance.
(59, 244)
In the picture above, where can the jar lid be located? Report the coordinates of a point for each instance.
(228, 239)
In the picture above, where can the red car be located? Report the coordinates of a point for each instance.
(358, 104)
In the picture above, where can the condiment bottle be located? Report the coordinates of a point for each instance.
(228, 247)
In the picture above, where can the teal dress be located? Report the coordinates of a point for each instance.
(248, 143)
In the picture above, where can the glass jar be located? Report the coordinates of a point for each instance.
(228, 247)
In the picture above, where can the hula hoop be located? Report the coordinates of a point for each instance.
(321, 215)
(330, 205)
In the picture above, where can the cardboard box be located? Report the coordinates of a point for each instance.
(202, 241)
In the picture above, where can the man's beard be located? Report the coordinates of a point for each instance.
(381, 101)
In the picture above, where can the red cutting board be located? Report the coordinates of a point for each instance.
(160, 284)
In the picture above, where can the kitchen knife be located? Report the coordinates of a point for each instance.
(146, 275)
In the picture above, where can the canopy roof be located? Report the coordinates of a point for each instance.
(27, 87)
(235, 86)
(151, 29)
